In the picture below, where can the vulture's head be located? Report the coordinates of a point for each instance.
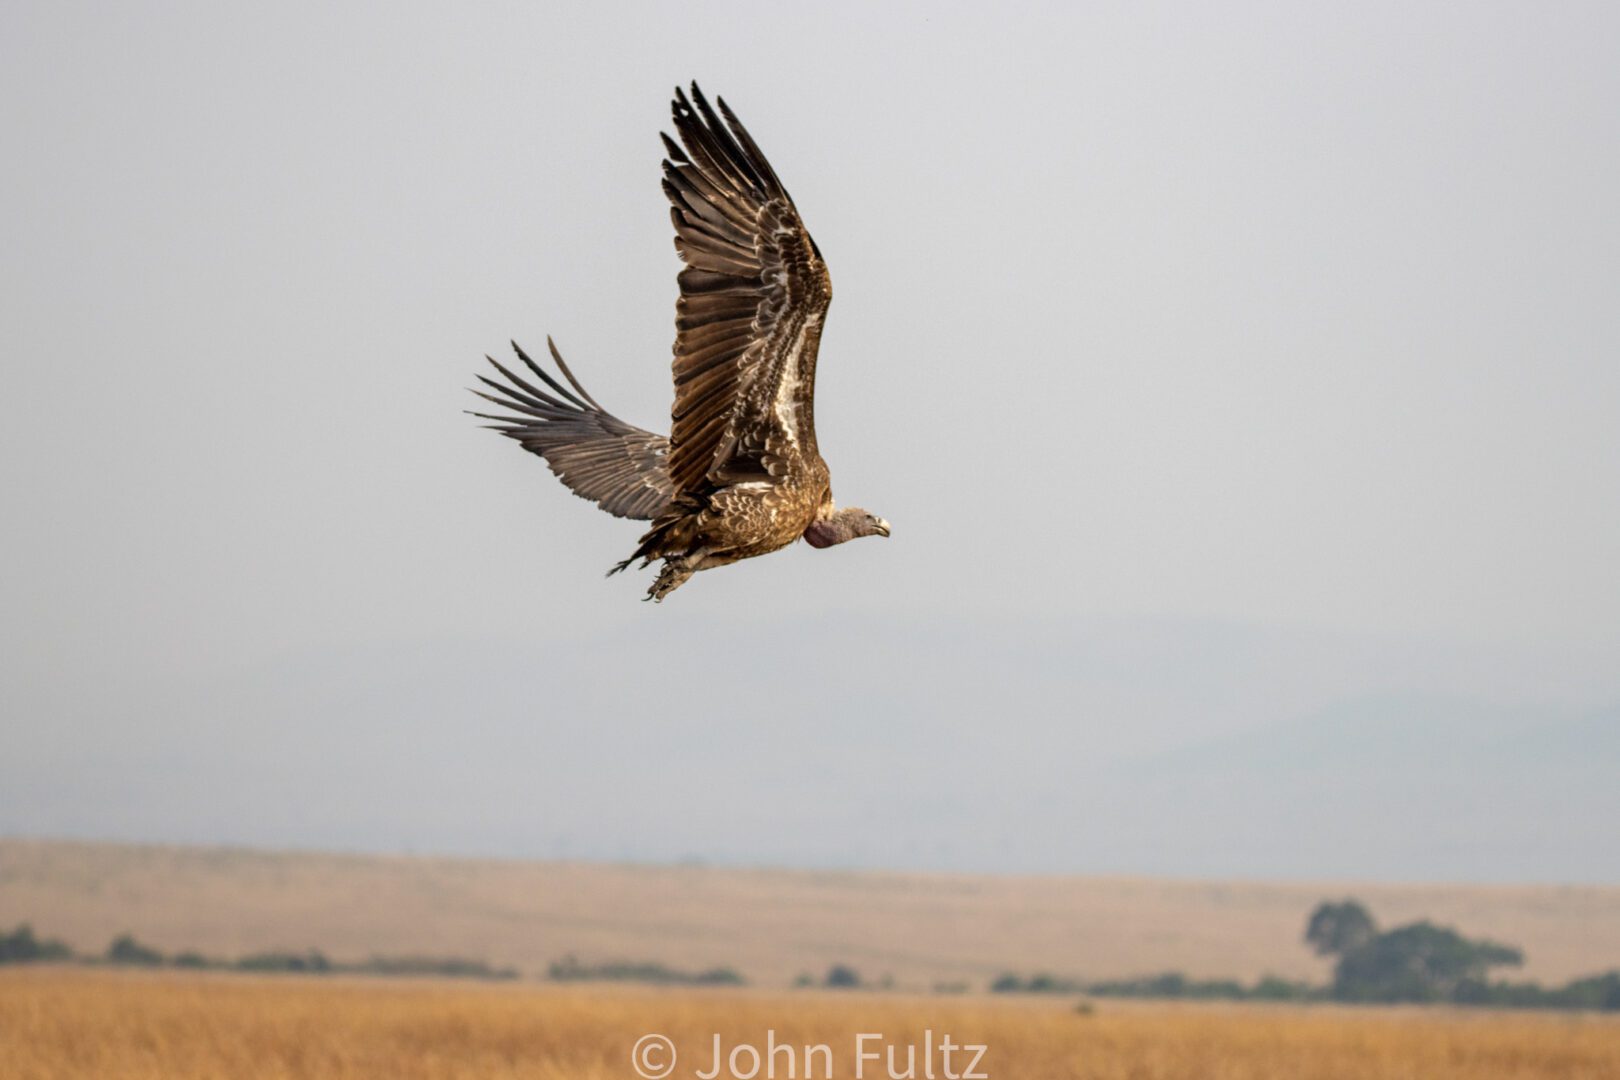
(845, 524)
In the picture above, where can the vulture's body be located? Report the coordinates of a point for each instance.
(740, 474)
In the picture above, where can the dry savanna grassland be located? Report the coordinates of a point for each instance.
(71, 1023)
(769, 924)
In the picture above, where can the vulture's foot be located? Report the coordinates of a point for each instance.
(671, 577)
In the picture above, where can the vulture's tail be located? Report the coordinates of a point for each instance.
(618, 466)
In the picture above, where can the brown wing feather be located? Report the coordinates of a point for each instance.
(753, 297)
(618, 466)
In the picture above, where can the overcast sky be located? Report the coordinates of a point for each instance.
(1292, 326)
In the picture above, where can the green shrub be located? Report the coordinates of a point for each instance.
(842, 977)
(569, 969)
(452, 967)
(126, 950)
(22, 947)
(194, 960)
(310, 963)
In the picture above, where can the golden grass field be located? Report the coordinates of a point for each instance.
(769, 924)
(67, 1024)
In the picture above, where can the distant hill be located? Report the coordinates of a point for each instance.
(1445, 786)
(770, 924)
(1010, 746)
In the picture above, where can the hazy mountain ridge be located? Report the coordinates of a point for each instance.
(1444, 787)
(1416, 730)
(884, 744)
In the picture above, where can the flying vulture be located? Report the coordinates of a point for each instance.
(740, 473)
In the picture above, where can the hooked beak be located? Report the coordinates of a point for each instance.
(882, 527)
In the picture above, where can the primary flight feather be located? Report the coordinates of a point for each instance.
(740, 473)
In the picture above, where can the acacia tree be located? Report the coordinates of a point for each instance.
(1335, 929)
(1418, 962)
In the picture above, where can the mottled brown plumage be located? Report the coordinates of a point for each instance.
(741, 474)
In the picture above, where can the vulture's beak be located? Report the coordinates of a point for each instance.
(882, 527)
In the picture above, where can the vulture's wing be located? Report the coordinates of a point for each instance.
(616, 465)
(753, 296)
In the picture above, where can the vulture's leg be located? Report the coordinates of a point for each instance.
(673, 575)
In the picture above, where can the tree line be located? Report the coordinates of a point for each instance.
(21, 945)
(1422, 962)
(1418, 962)
(569, 969)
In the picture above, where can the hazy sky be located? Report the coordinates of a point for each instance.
(1272, 348)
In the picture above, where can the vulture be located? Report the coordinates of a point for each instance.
(740, 473)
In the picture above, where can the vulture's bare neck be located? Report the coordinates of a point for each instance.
(850, 523)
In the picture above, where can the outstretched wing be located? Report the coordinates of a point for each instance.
(616, 465)
(748, 323)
